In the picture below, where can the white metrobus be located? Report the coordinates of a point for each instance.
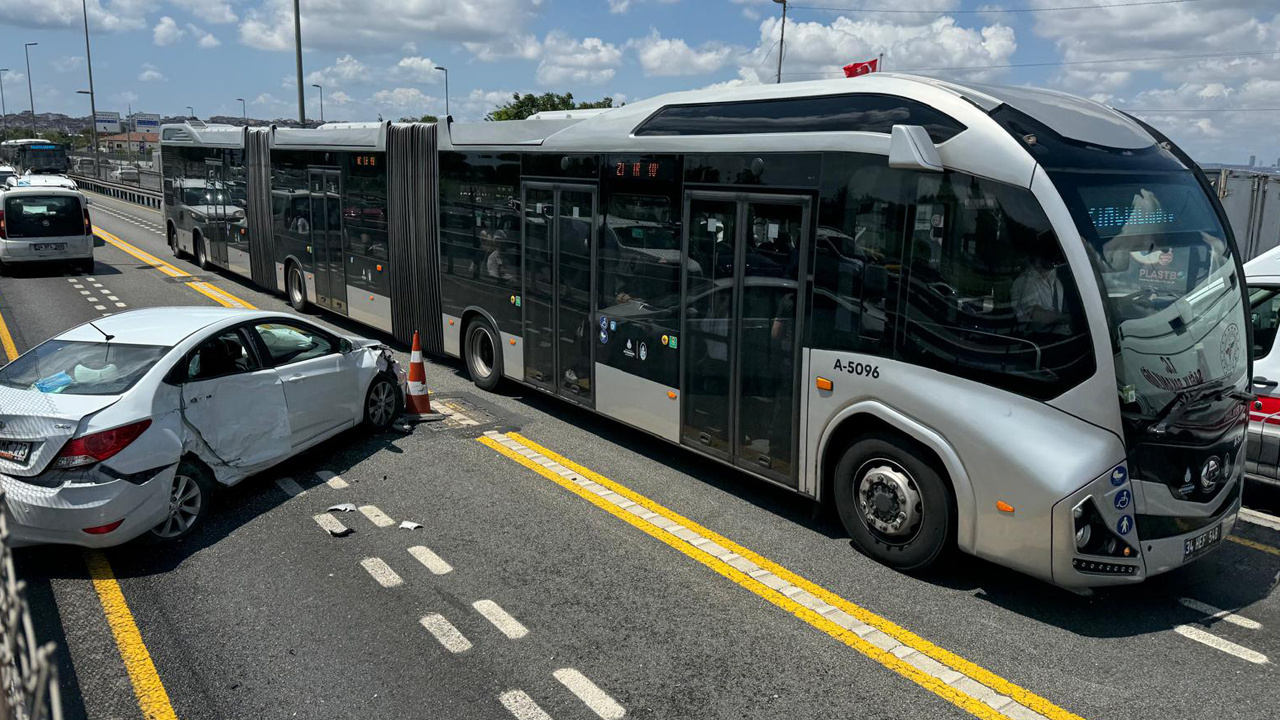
(1000, 319)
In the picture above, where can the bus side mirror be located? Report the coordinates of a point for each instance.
(911, 148)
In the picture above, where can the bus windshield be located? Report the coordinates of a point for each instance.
(1170, 279)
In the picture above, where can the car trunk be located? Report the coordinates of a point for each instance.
(37, 425)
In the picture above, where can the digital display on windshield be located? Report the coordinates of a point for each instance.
(44, 147)
(1114, 217)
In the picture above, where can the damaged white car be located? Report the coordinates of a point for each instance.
(125, 425)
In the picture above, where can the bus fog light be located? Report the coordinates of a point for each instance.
(1082, 536)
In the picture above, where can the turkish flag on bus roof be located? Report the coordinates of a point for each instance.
(861, 68)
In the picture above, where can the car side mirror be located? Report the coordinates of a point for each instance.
(345, 346)
(911, 148)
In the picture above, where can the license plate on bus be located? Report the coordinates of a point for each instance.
(15, 451)
(49, 247)
(1201, 544)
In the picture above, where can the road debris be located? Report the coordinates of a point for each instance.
(344, 507)
(410, 525)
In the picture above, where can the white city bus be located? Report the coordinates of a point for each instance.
(1000, 319)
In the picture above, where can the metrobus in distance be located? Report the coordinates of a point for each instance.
(1000, 319)
(35, 155)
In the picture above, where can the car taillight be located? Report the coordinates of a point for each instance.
(99, 446)
(3, 235)
(88, 224)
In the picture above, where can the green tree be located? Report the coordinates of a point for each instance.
(423, 119)
(522, 106)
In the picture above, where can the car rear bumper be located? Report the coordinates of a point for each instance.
(79, 247)
(39, 515)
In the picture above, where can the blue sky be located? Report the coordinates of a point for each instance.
(376, 56)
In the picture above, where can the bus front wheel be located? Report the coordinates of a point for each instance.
(483, 355)
(897, 508)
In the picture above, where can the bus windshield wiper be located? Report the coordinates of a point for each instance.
(1189, 397)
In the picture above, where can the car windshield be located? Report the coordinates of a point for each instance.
(81, 368)
(38, 216)
(1170, 279)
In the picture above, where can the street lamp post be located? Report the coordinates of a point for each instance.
(297, 35)
(321, 89)
(782, 41)
(26, 49)
(445, 70)
(244, 111)
(191, 112)
(93, 106)
(4, 113)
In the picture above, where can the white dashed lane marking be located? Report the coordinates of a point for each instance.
(590, 694)
(500, 618)
(151, 227)
(1217, 614)
(291, 488)
(445, 633)
(1217, 643)
(519, 704)
(334, 481)
(382, 572)
(434, 562)
(91, 295)
(330, 523)
(376, 516)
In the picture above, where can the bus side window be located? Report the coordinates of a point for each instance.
(990, 294)
(857, 255)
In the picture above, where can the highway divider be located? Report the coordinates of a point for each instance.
(128, 193)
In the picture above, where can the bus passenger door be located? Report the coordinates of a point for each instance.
(215, 228)
(741, 326)
(559, 231)
(326, 240)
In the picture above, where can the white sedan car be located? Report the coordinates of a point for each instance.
(125, 425)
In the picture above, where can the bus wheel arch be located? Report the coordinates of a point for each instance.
(482, 349)
(874, 420)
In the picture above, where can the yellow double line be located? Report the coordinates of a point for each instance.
(213, 292)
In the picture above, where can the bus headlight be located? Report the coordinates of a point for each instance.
(1094, 536)
(1083, 533)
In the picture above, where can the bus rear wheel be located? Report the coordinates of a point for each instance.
(483, 355)
(296, 287)
(897, 508)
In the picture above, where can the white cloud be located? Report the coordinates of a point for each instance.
(410, 101)
(347, 25)
(211, 11)
(104, 15)
(338, 98)
(509, 47)
(150, 74)
(68, 63)
(345, 71)
(661, 56)
(588, 61)
(479, 103)
(619, 6)
(419, 70)
(167, 32)
(205, 40)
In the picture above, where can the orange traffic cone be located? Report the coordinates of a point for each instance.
(417, 405)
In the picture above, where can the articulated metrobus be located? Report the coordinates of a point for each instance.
(35, 155)
(1000, 319)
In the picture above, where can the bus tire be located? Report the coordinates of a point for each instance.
(295, 286)
(202, 254)
(881, 480)
(173, 242)
(483, 355)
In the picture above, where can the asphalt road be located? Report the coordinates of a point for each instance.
(525, 588)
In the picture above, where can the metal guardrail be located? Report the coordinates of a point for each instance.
(28, 670)
(127, 193)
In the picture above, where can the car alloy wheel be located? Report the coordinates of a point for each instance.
(185, 502)
(381, 406)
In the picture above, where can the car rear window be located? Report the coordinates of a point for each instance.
(39, 216)
(81, 368)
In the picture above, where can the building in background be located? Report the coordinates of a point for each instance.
(138, 142)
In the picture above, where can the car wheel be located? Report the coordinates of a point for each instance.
(188, 502)
(484, 359)
(173, 243)
(382, 403)
(297, 289)
(85, 266)
(202, 259)
(897, 508)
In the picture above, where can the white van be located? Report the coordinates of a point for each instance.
(45, 224)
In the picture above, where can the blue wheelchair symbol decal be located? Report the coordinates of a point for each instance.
(1123, 498)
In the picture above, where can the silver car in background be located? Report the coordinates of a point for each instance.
(40, 224)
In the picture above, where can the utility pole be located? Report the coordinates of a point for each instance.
(191, 112)
(4, 113)
(93, 105)
(445, 70)
(297, 33)
(26, 49)
(321, 88)
(782, 41)
(130, 127)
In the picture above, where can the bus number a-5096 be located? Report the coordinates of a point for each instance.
(857, 368)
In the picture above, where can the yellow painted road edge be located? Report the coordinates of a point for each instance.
(6, 341)
(214, 293)
(153, 699)
(1255, 545)
(960, 699)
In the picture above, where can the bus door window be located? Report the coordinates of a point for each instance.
(709, 305)
(539, 265)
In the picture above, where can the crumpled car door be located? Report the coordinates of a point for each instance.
(242, 418)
